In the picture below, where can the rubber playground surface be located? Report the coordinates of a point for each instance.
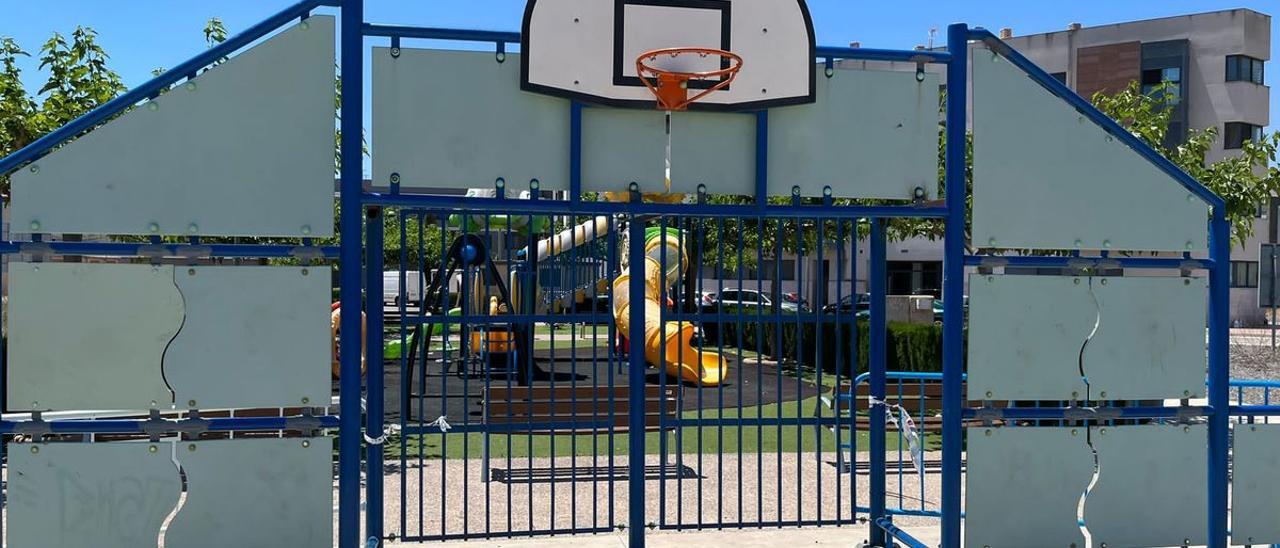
(459, 397)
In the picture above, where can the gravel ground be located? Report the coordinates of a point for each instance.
(1252, 358)
(807, 489)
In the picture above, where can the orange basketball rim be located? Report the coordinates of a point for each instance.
(672, 87)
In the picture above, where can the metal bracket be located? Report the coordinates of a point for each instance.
(194, 251)
(307, 253)
(994, 262)
(36, 249)
(154, 251)
(309, 424)
(36, 428)
(988, 414)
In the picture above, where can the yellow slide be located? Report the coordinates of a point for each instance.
(693, 365)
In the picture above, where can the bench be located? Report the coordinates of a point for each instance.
(572, 410)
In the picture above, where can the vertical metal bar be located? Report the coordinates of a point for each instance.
(349, 257)
(406, 379)
(1219, 375)
(635, 381)
(953, 280)
(373, 350)
(762, 158)
(876, 364)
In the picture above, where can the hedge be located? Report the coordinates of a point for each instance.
(911, 347)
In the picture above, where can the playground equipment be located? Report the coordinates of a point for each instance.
(665, 344)
(252, 141)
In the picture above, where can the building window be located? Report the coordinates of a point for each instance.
(1244, 273)
(1061, 77)
(1165, 64)
(1170, 77)
(1242, 68)
(1235, 134)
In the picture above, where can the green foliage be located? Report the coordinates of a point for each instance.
(1244, 180)
(422, 243)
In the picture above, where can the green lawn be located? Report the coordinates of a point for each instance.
(692, 440)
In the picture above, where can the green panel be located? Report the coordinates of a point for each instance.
(90, 336)
(1025, 336)
(1255, 484)
(243, 149)
(1151, 487)
(1151, 340)
(104, 495)
(872, 134)
(621, 146)
(255, 493)
(1046, 177)
(1023, 486)
(254, 336)
(458, 119)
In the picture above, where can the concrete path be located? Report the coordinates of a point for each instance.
(846, 537)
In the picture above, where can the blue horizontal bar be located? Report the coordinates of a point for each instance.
(1088, 110)
(872, 54)
(601, 427)
(448, 204)
(1256, 410)
(121, 249)
(902, 536)
(504, 319)
(1087, 262)
(508, 534)
(122, 426)
(429, 33)
(154, 86)
(759, 421)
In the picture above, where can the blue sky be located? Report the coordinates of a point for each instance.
(141, 35)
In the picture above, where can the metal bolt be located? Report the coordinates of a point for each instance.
(154, 403)
(153, 227)
(1186, 429)
(1104, 281)
(153, 449)
(1104, 394)
(395, 178)
(765, 90)
(1074, 432)
(1106, 243)
(306, 399)
(988, 393)
(35, 225)
(830, 72)
(305, 25)
(1253, 428)
(190, 272)
(1186, 282)
(1079, 243)
(987, 432)
(991, 242)
(191, 448)
(1110, 138)
(501, 56)
(1186, 393)
(1103, 431)
(153, 106)
(193, 228)
(395, 52)
(191, 403)
(1077, 282)
(306, 443)
(1074, 394)
(306, 229)
(34, 168)
(1191, 197)
(34, 449)
(305, 271)
(191, 86)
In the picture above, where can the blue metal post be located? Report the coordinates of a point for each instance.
(373, 346)
(349, 224)
(1219, 375)
(953, 281)
(877, 274)
(762, 158)
(575, 152)
(635, 381)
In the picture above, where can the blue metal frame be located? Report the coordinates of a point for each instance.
(353, 201)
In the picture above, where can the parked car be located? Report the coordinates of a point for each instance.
(796, 299)
(706, 298)
(750, 299)
(937, 310)
(860, 302)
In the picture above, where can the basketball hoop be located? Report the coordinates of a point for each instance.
(671, 87)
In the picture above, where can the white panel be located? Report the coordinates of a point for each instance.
(458, 119)
(90, 336)
(715, 149)
(872, 134)
(1255, 485)
(255, 493)
(254, 336)
(104, 495)
(245, 149)
(1151, 340)
(1045, 177)
(572, 49)
(1151, 488)
(1025, 335)
(1024, 485)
